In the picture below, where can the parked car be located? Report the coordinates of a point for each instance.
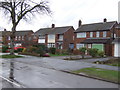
(16, 48)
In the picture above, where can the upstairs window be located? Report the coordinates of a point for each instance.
(22, 37)
(97, 34)
(81, 35)
(19, 38)
(91, 34)
(51, 38)
(104, 34)
(60, 37)
(0, 38)
(9, 38)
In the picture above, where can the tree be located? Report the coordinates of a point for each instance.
(83, 50)
(22, 9)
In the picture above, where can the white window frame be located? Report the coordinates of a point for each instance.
(105, 34)
(41, 40)
(91, 34)
(51, 38)
(78, 45)
(60, 37)
(97, 34)
(81, 35)
(50, 45)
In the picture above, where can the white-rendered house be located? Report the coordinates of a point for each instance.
(116, 43)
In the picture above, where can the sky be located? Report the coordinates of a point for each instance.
(68, 13)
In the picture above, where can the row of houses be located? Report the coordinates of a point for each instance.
(104, 36)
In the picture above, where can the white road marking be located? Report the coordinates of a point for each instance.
(10, 81)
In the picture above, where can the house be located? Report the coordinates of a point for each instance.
(96, 35)
(24, 38)
(116, 42)
(58, 37)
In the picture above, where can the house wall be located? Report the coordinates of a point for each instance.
(68, 38)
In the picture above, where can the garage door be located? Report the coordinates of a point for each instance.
(117, 50)
(100, 47)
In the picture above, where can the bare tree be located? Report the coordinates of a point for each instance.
(22, 9)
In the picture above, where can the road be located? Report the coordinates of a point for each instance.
(32, 72)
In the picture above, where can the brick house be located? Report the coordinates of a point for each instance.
(58, 37)
(96, 35)
(22, 38)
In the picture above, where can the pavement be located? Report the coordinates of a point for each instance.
(36, 72)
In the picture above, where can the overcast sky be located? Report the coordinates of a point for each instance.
(68, 13)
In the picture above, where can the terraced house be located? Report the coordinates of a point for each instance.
(96, 35)
(58, 37)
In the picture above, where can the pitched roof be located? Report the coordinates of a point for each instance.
(2, 33)
(22, 33)
(96, 26)
(56, 30)
(116, 40)
(118, 26)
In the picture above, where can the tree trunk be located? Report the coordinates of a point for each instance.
(12, 40)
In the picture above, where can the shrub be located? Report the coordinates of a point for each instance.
(52, 50)
(101, 53)
(18, 50)
(83, 50)
(4, 49)
(93, 52)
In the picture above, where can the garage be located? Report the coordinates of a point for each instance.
(116, 43)
(100, 47)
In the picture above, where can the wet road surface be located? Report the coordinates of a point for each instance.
(42, 75)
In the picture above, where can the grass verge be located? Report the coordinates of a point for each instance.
(109, 75)
(10, 56)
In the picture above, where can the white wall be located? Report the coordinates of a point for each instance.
(117, 50)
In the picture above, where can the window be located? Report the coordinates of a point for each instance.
(97, 34)
(91, 34)
(60, 37)
(51, 38)
(1, 38)
(81, 35)
(115, 35)
(104, 34)
(22, 37)
(16, 38)
(51, 45)
(78, 46)
(89, 46)
(19, 38)
(41, 40)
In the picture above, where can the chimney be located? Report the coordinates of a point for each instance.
(79, 23)
(53, 25)
(105, 20)
(5, 30)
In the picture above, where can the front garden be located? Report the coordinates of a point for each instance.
(109, 75)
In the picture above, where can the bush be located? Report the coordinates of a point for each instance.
(4, 49)
(93, 52)
(82, 50)
(101, 53)
(18, 50)
(52, 50)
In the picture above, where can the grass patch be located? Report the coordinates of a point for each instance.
(10, 56)
(109, 75)
(112, 62)
(58, 55)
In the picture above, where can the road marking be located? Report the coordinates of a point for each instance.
(10, 81)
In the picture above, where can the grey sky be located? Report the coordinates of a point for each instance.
(68, 12)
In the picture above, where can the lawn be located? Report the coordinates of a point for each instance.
(58, 55)
(109, 75)
(112, 62)
(10, 56)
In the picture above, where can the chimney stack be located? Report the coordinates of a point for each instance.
(5, 30)
(105, 20)
(79, 23)
(53, 25)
